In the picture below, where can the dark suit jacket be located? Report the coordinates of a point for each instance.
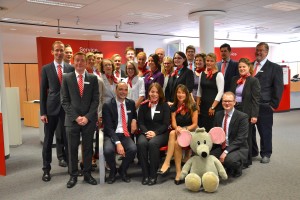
(237, 131)
(250, 95)
(50, 89)
(231, 71)
(76, 106)
(271, 82)
(160, 122)
(186, 78)
(110, 117)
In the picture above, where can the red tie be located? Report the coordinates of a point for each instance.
(223, 67)
(80, 84)
(97, 72)
(59, 73)
(225, 128)
(117, 74)
(124, 124)
(191, 66)
(255, 69)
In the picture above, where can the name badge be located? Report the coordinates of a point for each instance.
(128, 111)
(157, 111)
(151, 78)
(261, 71)
(87, 83)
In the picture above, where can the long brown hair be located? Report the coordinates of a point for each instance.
(188, 100)
(160, 91)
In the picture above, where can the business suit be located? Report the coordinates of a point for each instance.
(75, 106)
(237, 139)
(231, 71)
(50, 106)
(110, 121)
(186, 77)
(270, 78)
(148, 150)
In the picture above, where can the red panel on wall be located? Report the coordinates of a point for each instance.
(44, 47)
(2, 153)
(285, 102)
(238, 52)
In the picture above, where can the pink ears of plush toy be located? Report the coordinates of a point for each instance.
(217, 135)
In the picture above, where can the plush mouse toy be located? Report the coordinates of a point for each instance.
(204, 169)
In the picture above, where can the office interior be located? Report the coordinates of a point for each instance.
(244, 24)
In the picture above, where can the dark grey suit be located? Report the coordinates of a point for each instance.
(231, 71)
(110, 121)
(51, 107)
(271, 82)
(75, 106)
(237, 138)
(249, 105)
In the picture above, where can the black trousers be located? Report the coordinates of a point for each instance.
(264, 126)
(49, 129)
(61, 142)
(110, 152)
(149, 154)
(86, 132)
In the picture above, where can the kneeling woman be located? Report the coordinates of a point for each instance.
(153, 120)
(184, 115)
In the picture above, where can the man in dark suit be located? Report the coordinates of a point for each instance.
(234, 151)
(270, 76)
(117, 129)
(228, 67)
(50, 106)
(80, 100)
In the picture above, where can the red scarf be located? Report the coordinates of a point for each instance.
(151, 74)
(199, 70)
(129, 81)
(209, 74)
(242, 79)
(182, 109)
(112, 77)
(150, 103)
(176, 72)
(144, 69)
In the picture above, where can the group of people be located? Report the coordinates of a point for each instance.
(153, 100)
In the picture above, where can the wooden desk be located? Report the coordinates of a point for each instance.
(31, 114)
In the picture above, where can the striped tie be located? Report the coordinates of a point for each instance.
(59, 73)
(80, 84)
(225, 130)
(124, 124)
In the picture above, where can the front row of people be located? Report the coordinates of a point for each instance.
(80, 96)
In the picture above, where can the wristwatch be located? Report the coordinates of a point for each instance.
(212, 108)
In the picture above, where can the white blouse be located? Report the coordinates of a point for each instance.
(137, 90)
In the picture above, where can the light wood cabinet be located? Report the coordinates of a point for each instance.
(31, 113)
(26, 78)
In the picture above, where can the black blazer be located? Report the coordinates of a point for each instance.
(231, 71)
(186, 78)
(271, 83)
(110, 117)
(160, 122)
(50, 89)
(237, 131)
(250, 95)
(76, 106)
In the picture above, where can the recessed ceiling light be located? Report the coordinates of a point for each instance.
(57, 3)
(284, 6)
(149, 15)
(131, 23)
(22, 20)
(12, 29)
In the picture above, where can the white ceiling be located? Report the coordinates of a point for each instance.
(242, 20)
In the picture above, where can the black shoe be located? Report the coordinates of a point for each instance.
(72, 182)
(178, 182)
(62, 163)
(80, 172)
(46, 176)
(125, 178)
(111, 179)
(152, 181)
(165, 173)
(237, 173)
(89, 179)
(145, 181)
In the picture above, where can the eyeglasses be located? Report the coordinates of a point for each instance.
(227, 101)
(130, 69)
